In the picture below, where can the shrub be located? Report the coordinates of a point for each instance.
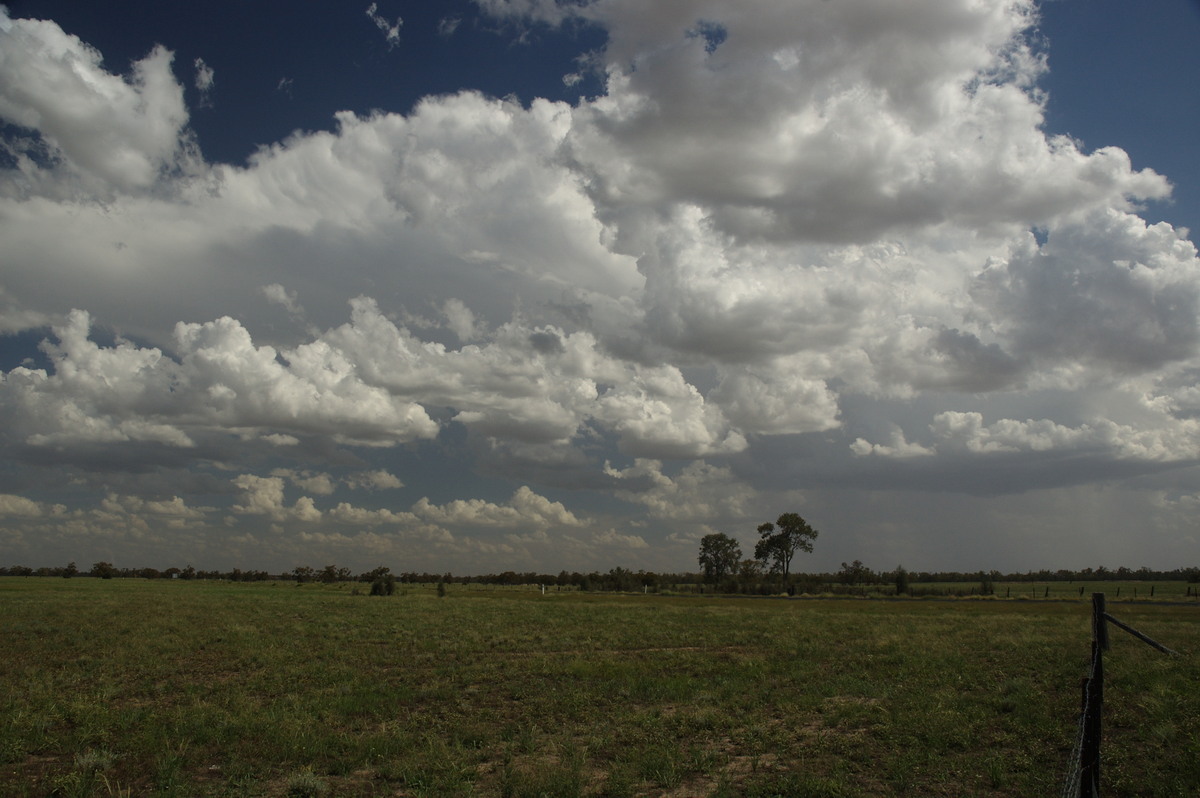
(987, 586)
(384, 585)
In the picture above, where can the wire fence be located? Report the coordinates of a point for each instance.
(1082, 776)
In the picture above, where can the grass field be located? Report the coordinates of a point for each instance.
(131, 687)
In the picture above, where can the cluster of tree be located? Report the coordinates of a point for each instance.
(721, 556)
(723, 567)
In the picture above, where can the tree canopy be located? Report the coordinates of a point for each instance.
(779, 542)
(720, 556)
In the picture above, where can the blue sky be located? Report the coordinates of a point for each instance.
(1126, 75)
(288, 66)
(496, 284)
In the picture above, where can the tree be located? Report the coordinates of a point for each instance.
(854, 573)
(104, 570)
(719, 557)
(749, 570)
(780, 541)
(620, 579)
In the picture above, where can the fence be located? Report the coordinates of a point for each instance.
(1083, 771)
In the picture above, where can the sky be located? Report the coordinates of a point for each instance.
(489, 285)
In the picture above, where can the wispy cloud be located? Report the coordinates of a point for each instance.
(391, 32)
(204, 81)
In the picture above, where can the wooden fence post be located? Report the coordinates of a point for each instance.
(1093, 703)
(1099, 625)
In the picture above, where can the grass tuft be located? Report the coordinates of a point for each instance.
(305, 784)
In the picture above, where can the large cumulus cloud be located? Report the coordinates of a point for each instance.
(835, 121)
(222, 382)
(96, 132)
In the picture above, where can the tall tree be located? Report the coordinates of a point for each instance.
(779, 542)
(719, 556)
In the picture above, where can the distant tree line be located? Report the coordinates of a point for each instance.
(106, 570)
(723, 569)
(1099, 574)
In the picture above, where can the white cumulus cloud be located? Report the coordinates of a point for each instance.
(108, 131)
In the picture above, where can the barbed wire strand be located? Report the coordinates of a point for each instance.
(1074, 772)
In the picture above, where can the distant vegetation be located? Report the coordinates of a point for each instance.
(725, 572)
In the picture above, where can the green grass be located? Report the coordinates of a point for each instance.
(130, 687)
